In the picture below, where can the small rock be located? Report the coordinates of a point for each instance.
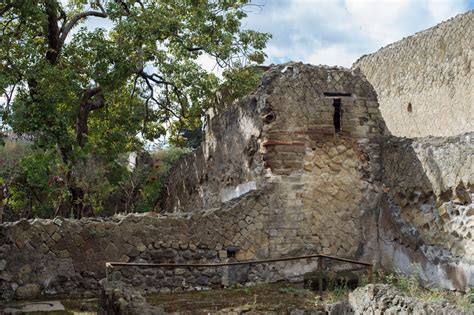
(43, 249)
(5, 276)
(58, 222)
(28, 291)
(141, 247)
(56, 237)
(64, 254)
(170, 253)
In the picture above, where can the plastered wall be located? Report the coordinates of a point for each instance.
(425, 82)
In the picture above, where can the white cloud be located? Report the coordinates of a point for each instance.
(209, 63)
(334, 31)
(340, 31)
(379, 20)
(335, 55)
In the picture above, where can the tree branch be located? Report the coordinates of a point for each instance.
(124, 6)
(75, 19)
(6, 8)
(91, 100)
(149, 78)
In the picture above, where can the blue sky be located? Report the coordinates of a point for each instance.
(337, 32)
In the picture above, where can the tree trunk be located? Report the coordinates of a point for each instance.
(3, 197)
(91, 99)
(53, 31)
(77, 200)
(81, 124)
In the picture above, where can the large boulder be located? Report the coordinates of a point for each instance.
(385, 299)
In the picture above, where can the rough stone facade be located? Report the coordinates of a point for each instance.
(301, 166)
(426, 221)
(322, 182)
(402, 203)
(425, 82)
(62, 256)
(312, 190)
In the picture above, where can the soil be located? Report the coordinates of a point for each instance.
(281, 298)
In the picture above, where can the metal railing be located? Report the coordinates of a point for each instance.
(111, 265)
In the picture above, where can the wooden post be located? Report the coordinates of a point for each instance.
(320, 267)
(370, 275)
(107, 266)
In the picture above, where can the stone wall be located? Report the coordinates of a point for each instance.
(296, 186)
(274, 178)
(360, 193)
(426, 221)
(270, 132)
(323, 182)
(225, 160)
(432, 180)
(63, 256)
(425, 82)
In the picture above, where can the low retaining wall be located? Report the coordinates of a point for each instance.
(64, 256)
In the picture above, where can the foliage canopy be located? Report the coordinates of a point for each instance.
(87, 95)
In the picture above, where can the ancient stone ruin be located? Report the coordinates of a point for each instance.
(425, 82)
(304, 165)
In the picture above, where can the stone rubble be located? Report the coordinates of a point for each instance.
(386, 300)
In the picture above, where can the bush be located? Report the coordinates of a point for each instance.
(34, 182)
(150, 177)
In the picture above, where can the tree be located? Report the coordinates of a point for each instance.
(101, 92)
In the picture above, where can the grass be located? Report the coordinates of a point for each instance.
(410, 285)
(283, 297)
(277, 297)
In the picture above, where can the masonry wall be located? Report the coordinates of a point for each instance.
(425, 82)
(325, 180)
(426, 221)
(323, 183)
(272, 179)
(223, 164)
(65, 256)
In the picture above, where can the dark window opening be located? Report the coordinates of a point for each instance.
(231, 252)
(337, 94)
(337, 114)
(409, 108)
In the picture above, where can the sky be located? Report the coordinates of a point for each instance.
(336, 32)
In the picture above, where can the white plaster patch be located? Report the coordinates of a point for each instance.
(299, 268)
(247, 127)
(132, 161)
(237, 191)
(209, 145)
